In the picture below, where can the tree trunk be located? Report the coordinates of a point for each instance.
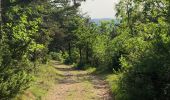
(3, 7)
(69, 50)
(0, 19)
(129, 18)
(87, 54)
(74, 1)
(80, 53)
(0, 11)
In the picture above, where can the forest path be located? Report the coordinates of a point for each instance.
(78, 85)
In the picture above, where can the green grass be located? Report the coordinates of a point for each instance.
(45, 78)
(111, 77)
(86, 94)
(113, 81)
(91, 69)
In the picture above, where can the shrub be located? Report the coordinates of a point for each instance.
(56, 56)
(13, 82)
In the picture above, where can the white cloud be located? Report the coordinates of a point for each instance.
(99, 8)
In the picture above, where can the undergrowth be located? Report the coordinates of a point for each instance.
(45, 78)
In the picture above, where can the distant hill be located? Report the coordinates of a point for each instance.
(98, 20)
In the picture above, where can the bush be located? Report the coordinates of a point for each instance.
(74, 57)
(13, 82)
(147, 69)
(148, 79)
(56, 56)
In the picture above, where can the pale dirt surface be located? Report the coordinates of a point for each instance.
(78, 85)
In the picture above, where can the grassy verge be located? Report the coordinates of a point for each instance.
(45, 78)
(112, 78)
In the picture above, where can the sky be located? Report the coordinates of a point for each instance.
(99, 8)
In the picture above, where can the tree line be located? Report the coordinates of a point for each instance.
(135, 45)
(27, 27)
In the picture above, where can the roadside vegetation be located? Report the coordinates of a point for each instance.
(131, 52)
(46, 77)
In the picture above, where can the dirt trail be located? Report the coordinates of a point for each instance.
(78, 85)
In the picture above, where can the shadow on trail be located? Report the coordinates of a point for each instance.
(65, 69)
(72, 76)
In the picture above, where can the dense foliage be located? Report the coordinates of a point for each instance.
(27, 27)
(136, 45)
(146, 61)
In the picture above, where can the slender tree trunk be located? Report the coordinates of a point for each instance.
(69, 50)
(87, 54)
(80, 53)
(168, 17)
(128, 14)
(0, 19)
(129, 17)
(74, 1)
(0, 11)
(3, 10)
(3, 6)
(96, 62)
